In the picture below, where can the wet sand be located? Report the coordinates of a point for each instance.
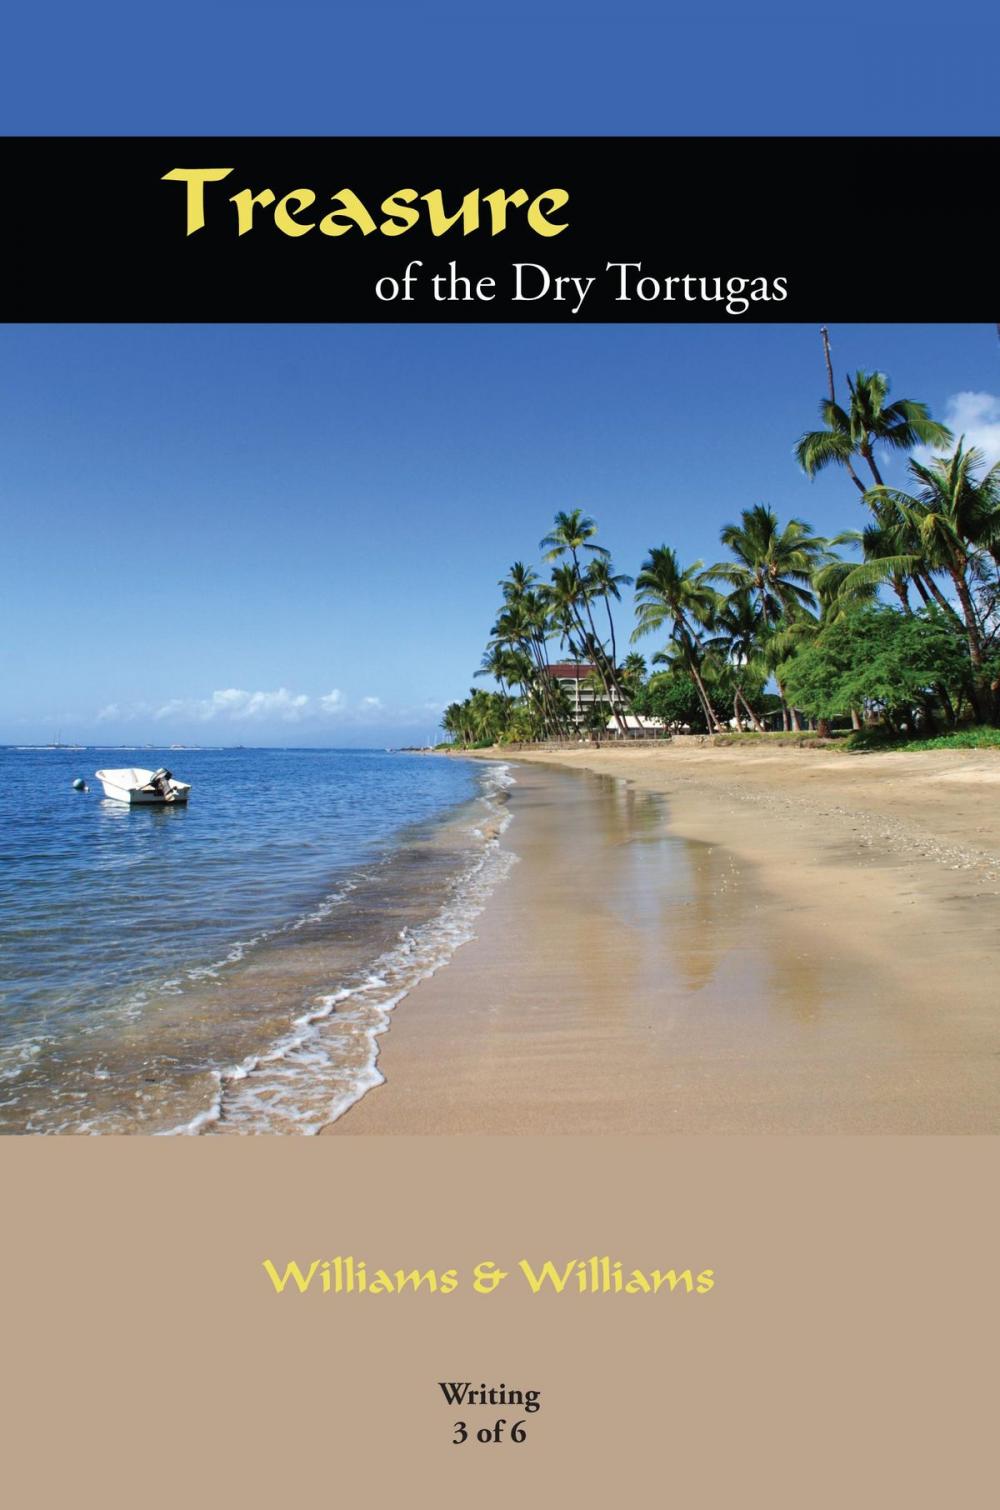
(253, 1044)
(708, 941)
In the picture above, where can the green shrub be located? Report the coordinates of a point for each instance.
(867, 741)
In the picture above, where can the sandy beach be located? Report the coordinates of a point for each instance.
(700, 940)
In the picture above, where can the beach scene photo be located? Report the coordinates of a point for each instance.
(500, 729)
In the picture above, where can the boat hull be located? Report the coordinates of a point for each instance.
(126, 786)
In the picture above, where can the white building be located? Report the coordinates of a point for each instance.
(637, 727)
(581, 684)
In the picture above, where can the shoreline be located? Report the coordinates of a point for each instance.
(838, 928)
(275, 1030)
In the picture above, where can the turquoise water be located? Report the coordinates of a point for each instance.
(152, 957)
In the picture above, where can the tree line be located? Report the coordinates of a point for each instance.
(905, 633)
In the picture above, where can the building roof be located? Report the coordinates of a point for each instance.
(571, 669)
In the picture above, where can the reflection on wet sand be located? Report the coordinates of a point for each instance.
(631, 980)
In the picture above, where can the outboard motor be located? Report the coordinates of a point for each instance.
(160, 782)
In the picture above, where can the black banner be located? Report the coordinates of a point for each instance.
(497, 229)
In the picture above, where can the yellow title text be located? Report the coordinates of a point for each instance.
(299, 211)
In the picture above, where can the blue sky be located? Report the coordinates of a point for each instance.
(548, 67)
(293, 535)
(212, 525)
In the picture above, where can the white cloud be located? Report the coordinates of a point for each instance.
(283, 704)
(977, 417)
(176, 705)
(234, 704)
(231, 699)
(123, 713)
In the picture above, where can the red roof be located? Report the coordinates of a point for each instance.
(571, 669)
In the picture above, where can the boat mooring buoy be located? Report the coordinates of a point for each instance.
(79, 785)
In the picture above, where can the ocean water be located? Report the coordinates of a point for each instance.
(227, 966)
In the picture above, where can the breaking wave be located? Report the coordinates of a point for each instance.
(328, 1059)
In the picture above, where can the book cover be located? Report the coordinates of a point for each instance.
(499, 734)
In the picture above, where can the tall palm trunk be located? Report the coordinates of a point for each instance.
(550, 689)
(551, 721)
(623, 692)
(609, 681)
(706, 708)
(600, 656)
(942, 601)
(600, 662)
(789, 714)
(614, 643)
(712, 720)
(833, 399)
(899, 588)
(980, 697)
(898, 582)
(868, 455)
(753, 716)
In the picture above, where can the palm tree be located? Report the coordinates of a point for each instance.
(523, 625)
(603, 582)
(868, 421)
(479, 716)
(693, 659)
(683, 599)
(835, 583)
(855, 433)
(736, 634)
(893, 553)
(955, 517)
(507, 667)
(774, 567)
(632, 675)
(563, 596)
(453, 721)
(568, 601)
(520, 672)
(487, 714)
(572, 533)
(518, 583)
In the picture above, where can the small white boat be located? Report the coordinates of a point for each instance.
(138, 787)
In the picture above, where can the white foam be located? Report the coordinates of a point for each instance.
(329, 1058)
